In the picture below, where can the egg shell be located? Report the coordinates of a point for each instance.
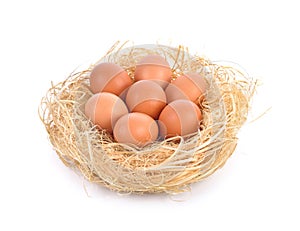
(136, 128)
(109, 77)
(180, 117)
(153, 67)
(147, 97)
(189, 86)
(104, 109)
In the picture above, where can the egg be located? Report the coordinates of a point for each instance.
(180, 117)
(189, 86)
(109, 77)
(147, 97)
(153, 67)
(136, 128)
(104, 109)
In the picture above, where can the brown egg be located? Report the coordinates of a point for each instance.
(136, 128)
(180, 117)
(147, 97)
(104, 109)
(109, 77)
(189, 86)
(153, 67)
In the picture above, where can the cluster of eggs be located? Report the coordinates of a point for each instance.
(149, 106)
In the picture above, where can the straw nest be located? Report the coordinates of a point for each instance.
(168, 166)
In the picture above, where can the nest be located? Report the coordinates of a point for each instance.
(168, 166)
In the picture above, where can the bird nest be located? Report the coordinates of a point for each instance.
(168, 166)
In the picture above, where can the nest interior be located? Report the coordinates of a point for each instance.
(164, 166)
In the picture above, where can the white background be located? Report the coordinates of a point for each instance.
(43, 41)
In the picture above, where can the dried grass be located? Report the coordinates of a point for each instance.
(165, 166)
